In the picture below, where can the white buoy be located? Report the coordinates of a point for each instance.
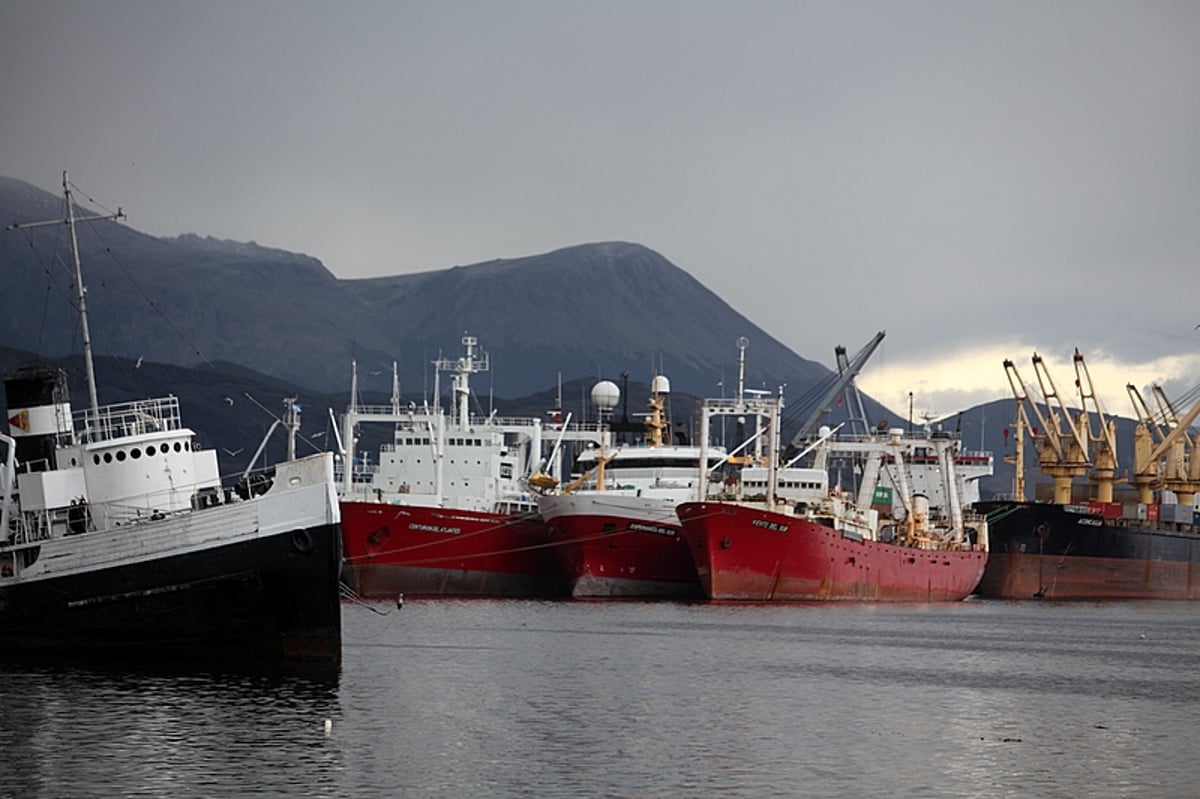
(328, 727)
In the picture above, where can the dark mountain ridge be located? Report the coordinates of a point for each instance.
(594, 309)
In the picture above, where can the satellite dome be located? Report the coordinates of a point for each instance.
(605, 395)
(660, 385)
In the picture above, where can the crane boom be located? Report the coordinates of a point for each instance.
(1146, 436)
(1104, 469)
(1183, 468)
(846, 376)
(1060, 455)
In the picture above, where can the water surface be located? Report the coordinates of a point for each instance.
(623, 699)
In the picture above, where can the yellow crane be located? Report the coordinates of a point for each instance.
(1062, 453)
(1103, 441)
(1017, 459)
(1164, 454)
(1146, 475)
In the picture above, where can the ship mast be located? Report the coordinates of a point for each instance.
(80, 291)
(462, 368)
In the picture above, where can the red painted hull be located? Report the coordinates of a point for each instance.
(404, 549)
(621, 547)
(744, 553)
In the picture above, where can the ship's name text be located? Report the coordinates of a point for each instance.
(651, 528)
(435, 528)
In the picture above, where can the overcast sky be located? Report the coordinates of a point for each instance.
(981, 179)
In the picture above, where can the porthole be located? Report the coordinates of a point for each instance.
(121, 455)
(135, 453)
(178, 446)
(150, 450)
(96, 459)
(108, 457)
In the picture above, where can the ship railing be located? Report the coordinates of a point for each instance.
(156, 415)
(506, 421)
(121, 514)
(31, 527)
(389, 413)
(910, 438)
(361, 474)
(907, 436)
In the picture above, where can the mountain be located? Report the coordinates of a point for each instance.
(184, 301)
(591, 310)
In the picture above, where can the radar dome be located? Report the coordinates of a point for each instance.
(606, 395)
(660, 385)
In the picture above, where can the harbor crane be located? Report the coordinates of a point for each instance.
(1062, 453)
(1103, 440)
(1164, 454)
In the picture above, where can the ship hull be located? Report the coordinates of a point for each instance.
(748, 554)
(1048, 551)
(259, 600)
(419, 551)
(620, 546)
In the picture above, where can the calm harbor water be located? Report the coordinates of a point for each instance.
(593, 699)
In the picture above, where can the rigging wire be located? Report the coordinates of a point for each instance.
(149, 301)
(54, 285)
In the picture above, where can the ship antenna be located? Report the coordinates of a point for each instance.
(80, 291)
(742, 344)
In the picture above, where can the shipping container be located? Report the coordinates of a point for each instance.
(1134, 510)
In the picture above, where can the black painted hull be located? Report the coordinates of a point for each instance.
(254, 601)
(1047, 551)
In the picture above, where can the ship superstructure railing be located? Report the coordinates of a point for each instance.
(389, 413)
(124, 419)
(913, 439)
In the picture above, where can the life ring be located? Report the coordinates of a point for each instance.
(302, 541)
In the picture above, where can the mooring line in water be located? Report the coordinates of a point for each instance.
(349, 593)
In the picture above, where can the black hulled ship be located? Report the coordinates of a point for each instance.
(1074, 548)
(118, 539)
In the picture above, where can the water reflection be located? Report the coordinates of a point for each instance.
(114, 730)
(512, 698)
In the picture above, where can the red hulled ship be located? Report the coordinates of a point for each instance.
(614, 527)
(748, 553)
(801, 539)
(447, 510)
(429, 551)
